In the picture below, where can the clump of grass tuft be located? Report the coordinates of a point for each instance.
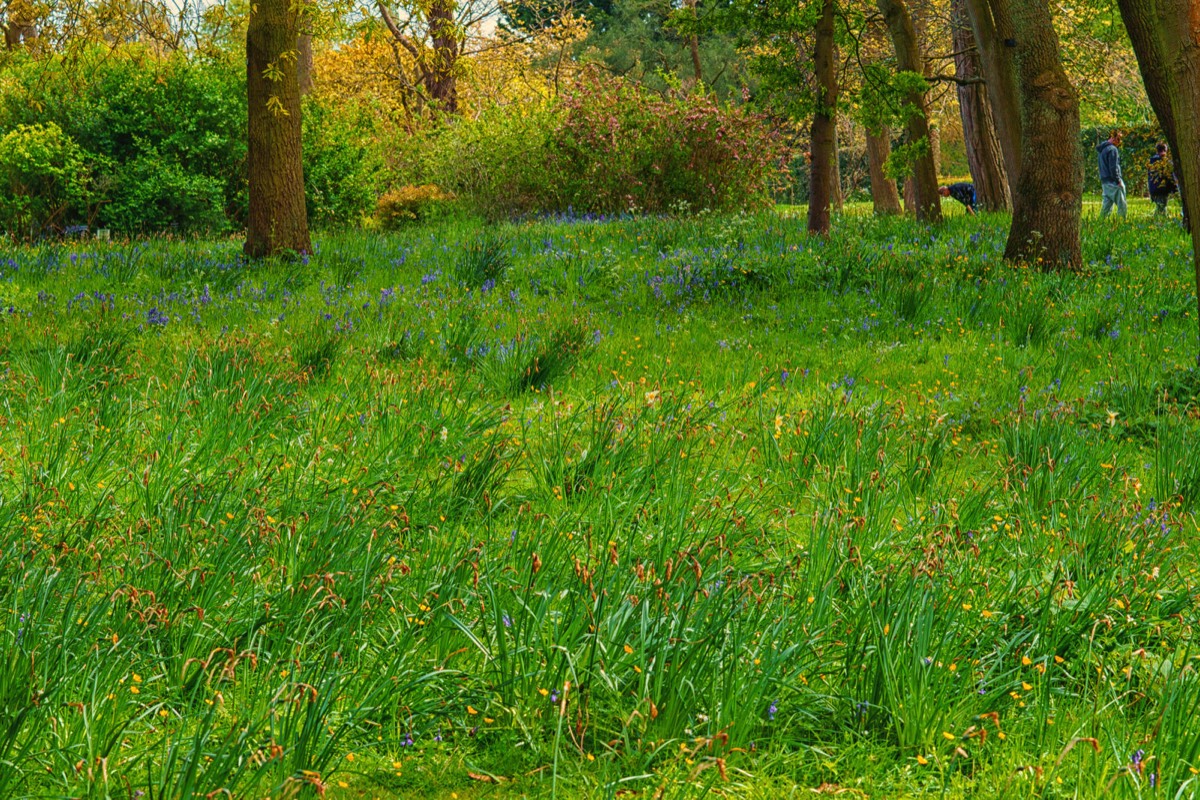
(344, 269)
(1029, 322)
(316, 350)
(484, 261)
(1176, 467)
(405, 345)
(538, 362)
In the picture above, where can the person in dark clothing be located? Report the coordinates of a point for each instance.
(1161, 179)
(1111, 183)
(962, 192)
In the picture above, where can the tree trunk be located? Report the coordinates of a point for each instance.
(1166, 40)
(926, 199)
(883, 189)
(304, 63)
(910, 182)
(441, 77)
(991, 24)
(979, 132)
(1047, 200)
(837, 198)
(694, 44)
(935, 147)
(278, 220)
(21, 27)
(824, 125)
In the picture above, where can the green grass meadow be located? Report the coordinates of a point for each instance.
(657, 508)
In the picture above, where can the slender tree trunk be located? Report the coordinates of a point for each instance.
(979, 132)
(441, 79)
(278, 219)
(694, 44)
(824, 125)
(1047, 200)
(991, 24)
(884, 195)
(1166, 40)
(935, 147)
(908, 59)
(837, 198)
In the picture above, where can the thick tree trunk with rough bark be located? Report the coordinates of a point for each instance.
(979, 132)
(926, 199)
(991, 24)
(1166, 40)
(884, 194)
(278, 219)
(824, 125)
(1047, 197)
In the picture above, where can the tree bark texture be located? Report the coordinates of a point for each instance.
(926, 199)
(1166, 40)
(979, 132)
(991, 24)
(1047, 200)
(305, 63)
(884, 195)
(823, 169)
(278, 218)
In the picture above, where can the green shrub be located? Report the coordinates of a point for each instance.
(44, 178)
(342, 162)
(165, 136)
(502, 164)
(610, 147)
(153, 193)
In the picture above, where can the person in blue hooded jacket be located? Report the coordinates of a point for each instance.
(1111, 185)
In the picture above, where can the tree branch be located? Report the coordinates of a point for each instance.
(397, 34)
(954, 79)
